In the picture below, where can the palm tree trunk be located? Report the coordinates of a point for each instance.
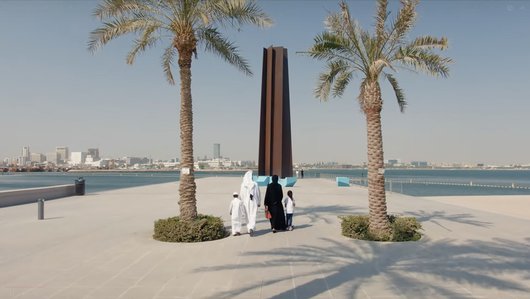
(187, 187)
(372, 104)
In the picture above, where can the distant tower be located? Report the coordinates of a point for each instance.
(26, 156)
(216, 151)
(63, 153)
(94, 153)
(25, 153)
(275, 150)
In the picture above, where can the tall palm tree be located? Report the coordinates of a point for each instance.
(185, 25)
(349, 50)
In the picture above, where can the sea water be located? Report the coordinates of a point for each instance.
(441, 182)
(97, 181)
(415, 182)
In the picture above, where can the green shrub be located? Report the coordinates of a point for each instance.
(402, 229)
(355, 227)
(203, 228)
(405, 229)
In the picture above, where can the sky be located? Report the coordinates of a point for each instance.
(54, 92)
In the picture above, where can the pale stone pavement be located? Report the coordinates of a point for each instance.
(100, 246)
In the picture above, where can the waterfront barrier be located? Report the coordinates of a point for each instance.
(31, 195)
(393, 183)
(396, 185)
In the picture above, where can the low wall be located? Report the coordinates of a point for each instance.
(22, 196)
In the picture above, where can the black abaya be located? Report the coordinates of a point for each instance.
(273, 201)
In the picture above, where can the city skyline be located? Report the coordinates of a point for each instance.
(216, 156)
(59, 93)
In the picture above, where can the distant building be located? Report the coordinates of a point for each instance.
(393, 161)
(64, 154)
(37, 157)
(52, 157)
(94, 152)
(216, 151)
(26, 154)
(78, 158)
(419, 163)
(135, 160)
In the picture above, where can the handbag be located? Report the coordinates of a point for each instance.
(268, 214)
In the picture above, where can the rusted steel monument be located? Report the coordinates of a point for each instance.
(275, 149)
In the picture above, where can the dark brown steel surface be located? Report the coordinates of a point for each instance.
(275, 149)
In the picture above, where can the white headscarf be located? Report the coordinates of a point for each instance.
(247, 180)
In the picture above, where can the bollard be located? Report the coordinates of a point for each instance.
(40, 202)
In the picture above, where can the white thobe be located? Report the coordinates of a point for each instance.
(249, 187)
(237, 215)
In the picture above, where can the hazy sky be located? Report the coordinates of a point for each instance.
(54, 92)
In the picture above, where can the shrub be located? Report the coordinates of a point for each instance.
(402, 229)
(203, 228)
(405, 229)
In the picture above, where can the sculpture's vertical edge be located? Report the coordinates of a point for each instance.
(287, 164)
(263, 116)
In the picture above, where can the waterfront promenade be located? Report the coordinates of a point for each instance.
(100, 246)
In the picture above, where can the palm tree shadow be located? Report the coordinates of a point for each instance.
(436, 216)
(423, 269)
(411, 269)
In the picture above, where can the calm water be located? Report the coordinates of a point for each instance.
(411, 182)
(97, 181)
(441, 182)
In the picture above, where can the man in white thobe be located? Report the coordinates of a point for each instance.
(251, 198)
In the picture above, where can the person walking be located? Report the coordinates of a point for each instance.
(251, 197)
(288, 203)
(273, 204)
(237, 214)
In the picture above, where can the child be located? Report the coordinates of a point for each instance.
(289, 204)
(237, 213)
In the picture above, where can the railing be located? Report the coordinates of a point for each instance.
(396, 184)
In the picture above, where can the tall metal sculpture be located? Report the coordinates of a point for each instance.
(275, 149)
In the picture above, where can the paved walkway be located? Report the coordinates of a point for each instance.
(100, 246)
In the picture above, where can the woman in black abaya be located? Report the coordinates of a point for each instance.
(273, 203)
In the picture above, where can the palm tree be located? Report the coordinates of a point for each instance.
(185, 25)
(349, 50)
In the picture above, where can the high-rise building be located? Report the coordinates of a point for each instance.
(216, 151)
(25, 158)
(94, 152)
(52, 157)
(64, 154)
(25, 153)
(37, 157)
(78, 158)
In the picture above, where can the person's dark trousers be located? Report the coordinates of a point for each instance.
(289, 219)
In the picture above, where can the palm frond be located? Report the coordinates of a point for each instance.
(429, 42)
(141, 44)
(425, 61)
(380, 18)
(120, 26)
(167, 62)
(239, 12)
(400, 96)
(343, 79)
(406, 18)
(327, 78)
(115, 8)
(216, 43)
(403, 23)
(118, 8)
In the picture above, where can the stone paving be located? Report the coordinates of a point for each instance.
(100, 246)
